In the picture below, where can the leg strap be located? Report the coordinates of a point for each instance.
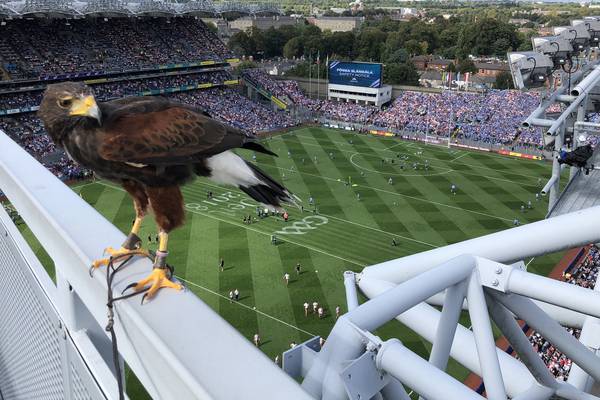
(132, 242)
(160, 261)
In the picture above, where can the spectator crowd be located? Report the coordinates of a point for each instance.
(131, 86)
(583, 274)
(39, 48)
(493, 117)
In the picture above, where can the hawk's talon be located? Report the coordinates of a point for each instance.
(159, 278)
(117, 254)
(133, 284)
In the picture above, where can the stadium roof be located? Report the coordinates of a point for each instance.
(109, 8)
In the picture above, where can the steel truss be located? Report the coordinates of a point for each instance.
(491, 286)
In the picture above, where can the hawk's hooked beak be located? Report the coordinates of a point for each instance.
(85, 107)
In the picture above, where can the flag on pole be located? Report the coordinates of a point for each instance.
(318, 57)
(458, 77)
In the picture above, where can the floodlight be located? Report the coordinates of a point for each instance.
(593, 25)
(529, 68)
(578, 35)
(557, 47)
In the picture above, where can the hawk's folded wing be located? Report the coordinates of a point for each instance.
(158, 131)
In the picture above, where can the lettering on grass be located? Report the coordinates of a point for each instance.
(229, 203)
(303, 226)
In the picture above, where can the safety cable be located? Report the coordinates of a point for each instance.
(111, 271)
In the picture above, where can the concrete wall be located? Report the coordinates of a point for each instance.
(262, 23)
(336, 24)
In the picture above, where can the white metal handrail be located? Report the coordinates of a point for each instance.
(176, 345)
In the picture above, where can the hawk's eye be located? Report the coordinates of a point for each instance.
(65, 103)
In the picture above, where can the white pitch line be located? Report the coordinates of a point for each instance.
(343, 220)
(256, 230)
(391, 147)
(82, 185)
(244, 305)
(351, 159)
(397, 194)
(529, 262)
(462, 155)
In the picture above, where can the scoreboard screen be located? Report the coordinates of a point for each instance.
(355, 74)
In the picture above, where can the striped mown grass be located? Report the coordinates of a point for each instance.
(416, 208)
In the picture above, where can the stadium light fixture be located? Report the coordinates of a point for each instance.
(578, 35)
(556, 47)
(593, 25)
(529, 69)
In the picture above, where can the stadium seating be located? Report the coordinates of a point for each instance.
(42, 48)
(584, 274)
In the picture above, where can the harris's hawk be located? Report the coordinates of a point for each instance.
(151, 146)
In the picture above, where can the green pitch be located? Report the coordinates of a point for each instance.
(359, 212)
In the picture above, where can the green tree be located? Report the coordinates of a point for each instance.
(413, 47)
(504, 80)
(466, 66)
(487, 37)
(338, 43)
(401, 74)
(241, 43)
(369, 43)
(293, 48)
(398, 57)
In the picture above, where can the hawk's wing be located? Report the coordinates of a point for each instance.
(158, 131)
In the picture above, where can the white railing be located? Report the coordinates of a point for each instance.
(176, 345)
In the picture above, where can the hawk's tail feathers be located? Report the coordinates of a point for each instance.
(231, 169)
(268, 191)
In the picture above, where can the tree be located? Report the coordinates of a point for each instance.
(401, 74)
(413, 47)
(504, 80)
(242, 44)
(466, 66)
(394, 41)
(338, 43)
(293, 48)
(398, 57)
(451, 67)
(488, 37)
(368, 44)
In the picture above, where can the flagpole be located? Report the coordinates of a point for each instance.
(327, 75)
(309, 75)
(318, 75)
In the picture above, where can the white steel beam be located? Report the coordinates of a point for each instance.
(424, 320)
(484, 340)
(425, 379)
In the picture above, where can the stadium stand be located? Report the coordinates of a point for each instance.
(583, 272)
(492, 118)
(45, 48)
